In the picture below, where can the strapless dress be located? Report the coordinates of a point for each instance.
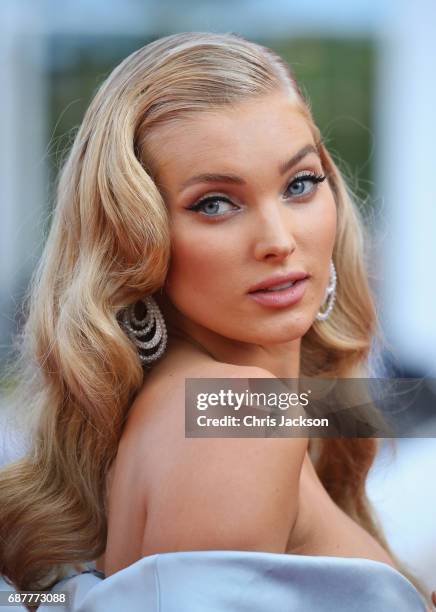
(239, 581)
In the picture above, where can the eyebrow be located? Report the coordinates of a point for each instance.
(237, 180)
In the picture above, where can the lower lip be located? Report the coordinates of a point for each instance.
(282, 297)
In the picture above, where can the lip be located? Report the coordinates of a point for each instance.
(278, 280)
(282, 297)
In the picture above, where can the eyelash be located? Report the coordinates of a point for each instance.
(300, 178)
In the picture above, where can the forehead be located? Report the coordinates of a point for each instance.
(270, 127)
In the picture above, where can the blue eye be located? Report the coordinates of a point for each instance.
(301, 179)
(211, 205)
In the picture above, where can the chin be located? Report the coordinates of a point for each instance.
(293, 324)
(279, 335)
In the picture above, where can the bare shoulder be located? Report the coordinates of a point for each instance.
(158, 413)
(154, 460)
(164, 391)
(212, 493)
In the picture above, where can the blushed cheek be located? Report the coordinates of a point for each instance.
(333, 218)
(316, 238)
(328, 232)
(325, 236)
(324, 229)
(316, 242)
(198, 268)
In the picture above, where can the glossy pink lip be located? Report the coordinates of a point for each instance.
(278, 280)
(282, 297)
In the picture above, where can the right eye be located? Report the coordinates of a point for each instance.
(210, 206)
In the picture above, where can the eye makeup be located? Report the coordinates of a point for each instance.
(302, 177)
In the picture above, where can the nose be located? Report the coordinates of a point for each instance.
(274, 238)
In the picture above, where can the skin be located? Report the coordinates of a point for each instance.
(257, 229)
(271, 224)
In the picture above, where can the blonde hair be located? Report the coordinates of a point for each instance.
(109, 246)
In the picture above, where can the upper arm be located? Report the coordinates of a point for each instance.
(217, 493)
(125, 508)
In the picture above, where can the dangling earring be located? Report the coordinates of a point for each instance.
(149, 332)
(330, 294)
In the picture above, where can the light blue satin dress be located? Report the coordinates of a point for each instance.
(241, 581)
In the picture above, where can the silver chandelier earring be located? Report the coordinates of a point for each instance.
(146, 328)
(330, 294)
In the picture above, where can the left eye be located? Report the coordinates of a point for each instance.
(296, 186)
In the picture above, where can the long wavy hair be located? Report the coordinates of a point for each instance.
(108, 246)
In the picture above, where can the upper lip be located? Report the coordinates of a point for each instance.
(278, 280)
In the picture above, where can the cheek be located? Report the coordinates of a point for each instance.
(331, 223)
(319, 243)
(199, 266)
(319, 231)
(327, 229)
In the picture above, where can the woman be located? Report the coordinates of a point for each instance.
(158, 268)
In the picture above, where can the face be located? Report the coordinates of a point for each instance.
(269, 219)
